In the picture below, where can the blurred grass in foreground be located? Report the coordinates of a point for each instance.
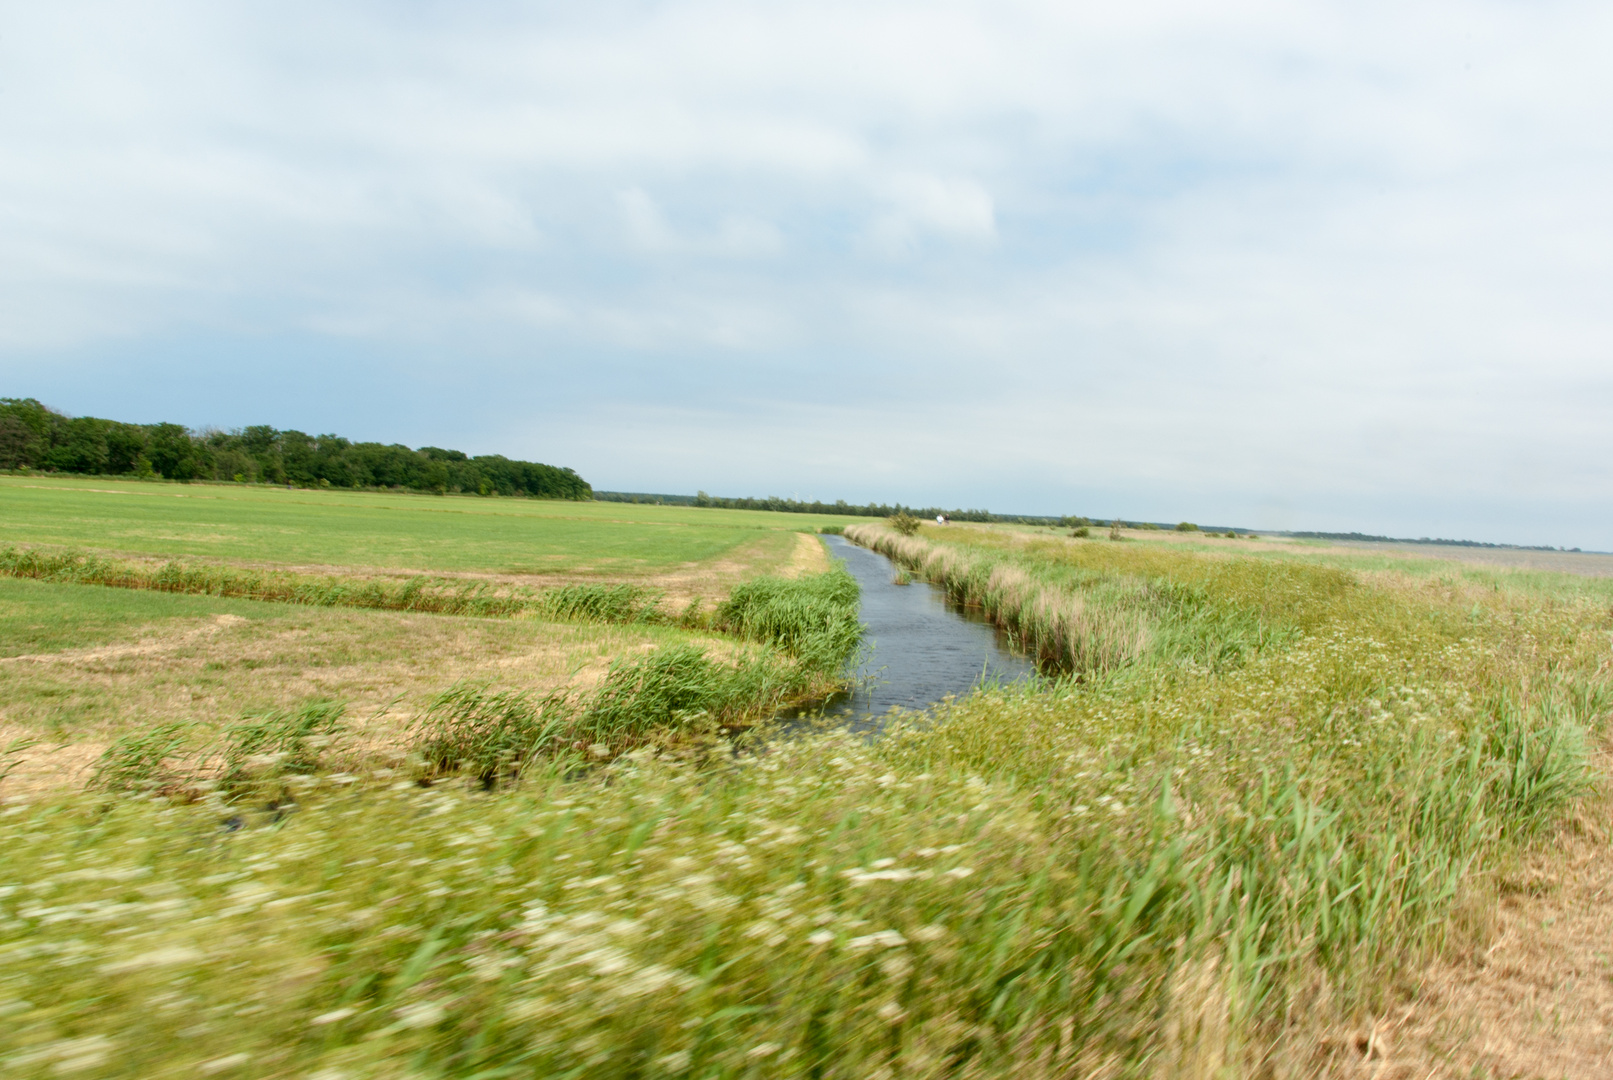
(1188, 866)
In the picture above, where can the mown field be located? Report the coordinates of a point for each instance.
(1266, 788)
(255, 524)
(395, 596)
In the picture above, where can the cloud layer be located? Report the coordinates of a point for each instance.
(1328, 266)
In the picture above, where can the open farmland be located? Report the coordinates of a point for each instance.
(258, 525)
(1274, 798)
(83, 665)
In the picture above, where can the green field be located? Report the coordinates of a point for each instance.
(84, 665)
(36, 617)
(276, 526)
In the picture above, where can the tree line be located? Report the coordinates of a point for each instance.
(839, 506)
(34, 436)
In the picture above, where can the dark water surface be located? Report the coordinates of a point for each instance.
(923, 649)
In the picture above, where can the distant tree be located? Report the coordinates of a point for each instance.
(173, 454)
(1186, 526)
(904, 523)
(15, 441)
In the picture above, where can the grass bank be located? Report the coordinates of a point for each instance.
(1092, 608)
(1178, 868)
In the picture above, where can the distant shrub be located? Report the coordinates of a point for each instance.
(1186, 526)
(1114, 529)
(1081, 533)
(904, 523)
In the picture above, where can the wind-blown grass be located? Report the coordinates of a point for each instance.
(807, 626)
(1180, 869)
(814, 618)
(488, 735)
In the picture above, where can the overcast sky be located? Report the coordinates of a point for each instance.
(1326, 266)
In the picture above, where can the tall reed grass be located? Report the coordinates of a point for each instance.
(1083, 621)
(807, 628)
(814, 618)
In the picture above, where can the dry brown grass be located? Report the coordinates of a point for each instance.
(212, 671)
(1535, 998)
(809, 557)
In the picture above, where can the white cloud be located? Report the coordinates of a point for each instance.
(1151, 242)
(930, 205)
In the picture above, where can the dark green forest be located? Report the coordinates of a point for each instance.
(34, 436)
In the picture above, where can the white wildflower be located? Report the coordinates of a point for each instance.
(76, 1055)
(232, 1061)
(165, 957)
(423, 1014)
(884, 939)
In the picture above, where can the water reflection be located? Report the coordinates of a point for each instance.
(921, 648)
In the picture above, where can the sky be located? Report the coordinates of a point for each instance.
(1332, 266)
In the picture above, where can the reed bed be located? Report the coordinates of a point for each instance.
(1177, 869)
(1092, 615)
(813, 618)
(1104, 626)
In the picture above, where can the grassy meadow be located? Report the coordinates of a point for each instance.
(1259, 790)
(258, 525)
(441, 597)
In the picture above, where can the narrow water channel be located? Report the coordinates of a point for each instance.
(918, 648)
